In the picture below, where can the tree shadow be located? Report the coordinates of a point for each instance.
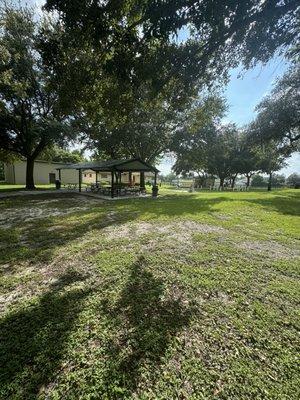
(41, 240)
(147, 320)
(33, 339)
(286, 204)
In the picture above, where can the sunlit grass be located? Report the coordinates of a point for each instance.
(191, 296)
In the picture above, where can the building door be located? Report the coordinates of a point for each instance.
(52, 178)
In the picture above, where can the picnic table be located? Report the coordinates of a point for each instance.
(118, 190)
(70, 186)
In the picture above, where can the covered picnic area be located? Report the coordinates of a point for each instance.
(117, 169)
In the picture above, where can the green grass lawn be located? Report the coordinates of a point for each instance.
(189, 296)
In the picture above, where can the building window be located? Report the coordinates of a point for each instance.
(85, 175)
(90, 175)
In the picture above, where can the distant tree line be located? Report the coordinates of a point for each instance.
(292, 181)
(212, 148)
(257, 180)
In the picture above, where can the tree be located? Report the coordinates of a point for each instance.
(271, 159)
(30, 116)
(170, 177)
(212, 150)
(279, 113)
(145, 133)
(259, 181)
(108, 49)
(206, 147)
(222, 153)
(248, 160)
(198, 125)
(278, 180)
(57, 154)
(294, 180)
(5, 157)
(250, 29)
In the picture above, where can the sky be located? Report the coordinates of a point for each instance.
(242, 94)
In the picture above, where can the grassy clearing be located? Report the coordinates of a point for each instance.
(190, 296)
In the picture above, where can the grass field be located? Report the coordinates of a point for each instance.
(190, 296)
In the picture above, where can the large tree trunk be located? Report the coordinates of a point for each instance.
(142, 180)
(270, 182)
(248, 180)
(233, 181)
(29, 174)
(221, 187)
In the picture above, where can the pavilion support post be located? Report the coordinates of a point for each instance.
(79, 179)
(96, 176)
(59, 174)
(130, 178)
(155, 187)
(112, 184)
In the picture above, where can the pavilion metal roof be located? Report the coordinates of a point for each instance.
(133, 164)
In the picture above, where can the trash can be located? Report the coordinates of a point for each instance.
(58, 184)
(154, 191)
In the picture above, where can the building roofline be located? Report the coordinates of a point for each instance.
(40, 161)
(110, 165)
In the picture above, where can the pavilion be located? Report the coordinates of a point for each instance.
(116, 168)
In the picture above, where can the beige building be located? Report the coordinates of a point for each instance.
(46, 172)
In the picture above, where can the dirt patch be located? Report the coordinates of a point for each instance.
(223, 217)
(269, 249)
(39, 209)
(170, 237)
(181, 230)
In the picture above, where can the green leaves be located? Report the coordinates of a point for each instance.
(278, 113)
(30, 106)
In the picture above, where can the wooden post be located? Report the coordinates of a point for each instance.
(154, 187)
(59, 174)
(142, 180)
(112, 184)
(79, 179)
(130, 178)
(96, 176)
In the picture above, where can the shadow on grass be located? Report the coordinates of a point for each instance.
(40, 240)
(33, 339)
(147, 320)
(285, 203)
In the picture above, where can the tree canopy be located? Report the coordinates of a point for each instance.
(58, 154)
(279, 112)
(112, 47)
(30, 115)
